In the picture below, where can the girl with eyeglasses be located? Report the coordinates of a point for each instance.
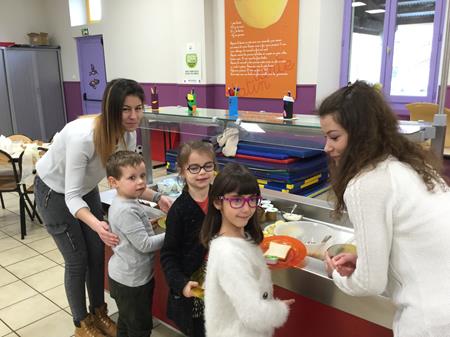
(238, 287)
(182, 254)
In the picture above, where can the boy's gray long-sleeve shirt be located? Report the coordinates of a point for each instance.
(132, 262)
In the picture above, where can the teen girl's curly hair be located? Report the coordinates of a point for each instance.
(373, 135)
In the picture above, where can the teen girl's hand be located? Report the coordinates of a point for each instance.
(188, 287)
(345, 263)
(110, 239)
(329, 265)
(164, 203)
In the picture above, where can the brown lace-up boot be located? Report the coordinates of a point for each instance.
(103, 322)
(87, 328)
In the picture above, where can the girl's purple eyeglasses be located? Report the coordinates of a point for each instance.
(239, 202)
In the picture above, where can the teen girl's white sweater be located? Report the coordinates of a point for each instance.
(238, 291)
(402, 234)
(71, 165)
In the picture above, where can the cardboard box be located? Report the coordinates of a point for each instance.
(38, 39)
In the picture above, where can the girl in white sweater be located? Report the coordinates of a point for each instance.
(238, 287)
(399, 206)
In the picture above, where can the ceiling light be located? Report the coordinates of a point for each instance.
(375, 11)
(358, 4)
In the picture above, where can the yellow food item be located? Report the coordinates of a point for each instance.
(198, 292)
(278, 250)
(269, 230)
(260, 13)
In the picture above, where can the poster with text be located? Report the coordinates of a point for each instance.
(192, 64)
(261, 38)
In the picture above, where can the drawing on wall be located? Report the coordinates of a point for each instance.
(93, 70)
(93, 83)
(260, 13)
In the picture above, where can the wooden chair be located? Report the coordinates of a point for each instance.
(10, 181)
(425, 111)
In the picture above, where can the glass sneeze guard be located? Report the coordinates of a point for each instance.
(263, 128)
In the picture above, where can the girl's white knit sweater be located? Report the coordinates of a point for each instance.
(238, 291)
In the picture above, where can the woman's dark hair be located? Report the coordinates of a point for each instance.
(108, 128)
(373, 135)
(234, 178)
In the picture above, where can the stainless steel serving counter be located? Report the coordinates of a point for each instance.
(311, 280)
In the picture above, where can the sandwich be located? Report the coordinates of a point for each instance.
(278, 250)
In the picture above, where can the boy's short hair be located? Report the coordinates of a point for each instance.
(122, 159)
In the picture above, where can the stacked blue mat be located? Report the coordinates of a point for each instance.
(301, 171)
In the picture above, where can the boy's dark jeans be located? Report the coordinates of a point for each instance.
(135, 308)
(81, 247)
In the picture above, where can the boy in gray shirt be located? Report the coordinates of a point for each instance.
(131, 267)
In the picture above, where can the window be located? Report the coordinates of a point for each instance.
(396, 43)
(83, 12)
(94, 10)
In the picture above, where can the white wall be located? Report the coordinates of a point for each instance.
(329, 47)
(143, 39)
(20, 17)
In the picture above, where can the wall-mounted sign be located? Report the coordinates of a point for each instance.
(191, 64)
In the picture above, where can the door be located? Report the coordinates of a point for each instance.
(91, 63)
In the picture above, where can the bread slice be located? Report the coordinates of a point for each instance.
(278, 249)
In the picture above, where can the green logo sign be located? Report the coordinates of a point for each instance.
(191, 60)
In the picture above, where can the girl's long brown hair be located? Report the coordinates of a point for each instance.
(373, 135)
(108, 129)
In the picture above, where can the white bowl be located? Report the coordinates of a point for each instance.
(310, 233)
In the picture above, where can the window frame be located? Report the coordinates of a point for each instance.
(387, 58)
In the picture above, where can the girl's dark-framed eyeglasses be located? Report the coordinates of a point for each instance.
(195, 168)
(239, 202)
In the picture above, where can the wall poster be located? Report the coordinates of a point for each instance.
(261, 43)
(192, 66)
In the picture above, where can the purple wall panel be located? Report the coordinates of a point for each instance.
(72, 95)
(213, 96)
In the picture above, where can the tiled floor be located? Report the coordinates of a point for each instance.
(32, 296)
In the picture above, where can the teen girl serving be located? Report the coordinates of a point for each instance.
(399, 206)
